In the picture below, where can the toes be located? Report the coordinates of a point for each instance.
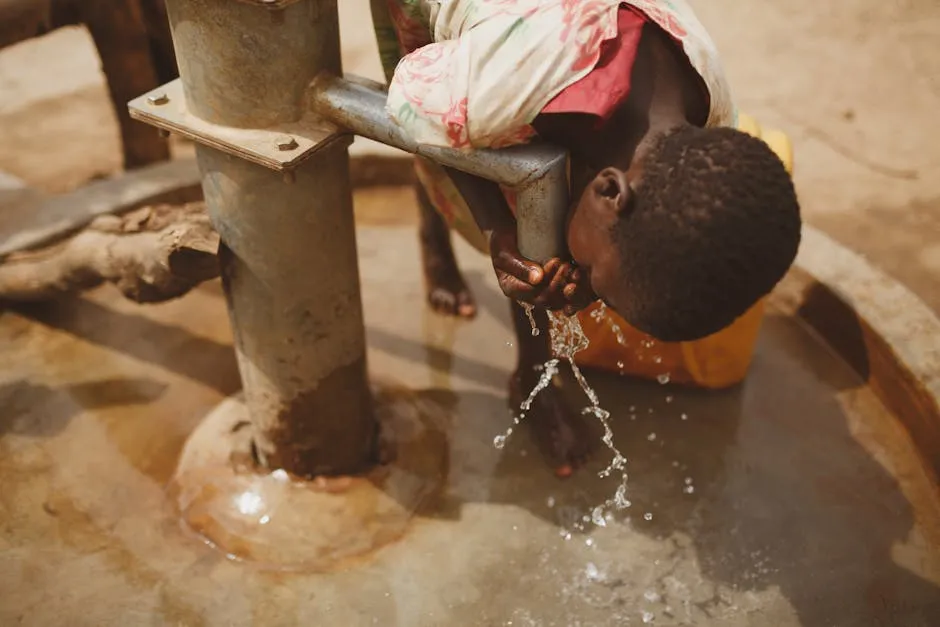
(452, 302)
(466, 307)
(442, 300)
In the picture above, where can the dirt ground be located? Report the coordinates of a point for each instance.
(856, 84)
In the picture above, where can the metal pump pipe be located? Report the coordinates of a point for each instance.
(271, 144)
(538, 172)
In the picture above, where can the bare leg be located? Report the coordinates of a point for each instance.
(161, 43)
(121, 38)
(561, 434)
(446, 289)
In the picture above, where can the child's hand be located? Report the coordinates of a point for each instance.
(519, 278)
(557, 285)
(577, 292)
(568, 291)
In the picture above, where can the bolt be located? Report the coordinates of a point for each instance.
(158, 99)
(286, 142)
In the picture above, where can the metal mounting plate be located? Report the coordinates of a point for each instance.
(165, 108)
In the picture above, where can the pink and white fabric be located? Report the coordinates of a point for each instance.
(477, 72)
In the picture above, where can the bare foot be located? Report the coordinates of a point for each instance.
(562, 435)
(447, 292)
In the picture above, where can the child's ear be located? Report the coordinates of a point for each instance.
(612, 189)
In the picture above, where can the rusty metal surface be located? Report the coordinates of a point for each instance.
(288, 256)
(290, 271)
(542, 214)
(168, 109)
(244, 66)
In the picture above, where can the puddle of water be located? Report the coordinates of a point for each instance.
(799, 471)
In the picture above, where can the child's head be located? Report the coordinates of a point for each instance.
(693, 236)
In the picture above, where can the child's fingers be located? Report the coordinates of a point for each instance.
(515, 266)
(515, 288)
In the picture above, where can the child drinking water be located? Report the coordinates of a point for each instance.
(680, 224)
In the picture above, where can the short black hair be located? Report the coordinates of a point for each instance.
(713, 226)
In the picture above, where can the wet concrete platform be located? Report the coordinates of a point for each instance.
(807, 505)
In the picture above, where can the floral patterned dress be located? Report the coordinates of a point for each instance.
(475, 73)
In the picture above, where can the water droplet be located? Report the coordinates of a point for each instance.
(663, 379)
(675, 464)
(651, 437)
(648, 617)
(632, 407)
(535, 332)
(597, 517)
(249, 503)
(550, 501)
(651, 596)
(566, 535)
(657, 359)
(515, 528)
(668, 399)
(620, 365)
(509, 344)
(685, 416)
(647, 516)
(589, 542)
(688, 481)
(499, 441)
(592, 572)
(689, 489)
(280, 474)
(264, 520)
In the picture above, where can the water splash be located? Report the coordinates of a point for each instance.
(601, 313)
(549, 370)
(568, 339)
(530, 314)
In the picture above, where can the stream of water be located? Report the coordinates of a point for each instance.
(567, 340)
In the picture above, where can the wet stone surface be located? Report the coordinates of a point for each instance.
(793, 500)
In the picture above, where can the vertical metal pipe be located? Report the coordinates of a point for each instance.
(288, 255)
(542, 214)
(248, 66)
